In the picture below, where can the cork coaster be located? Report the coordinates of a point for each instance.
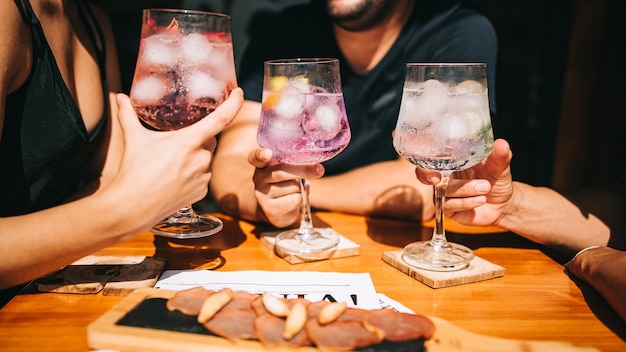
(478, 270)
(345, 248)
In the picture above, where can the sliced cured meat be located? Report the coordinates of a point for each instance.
(269, 330)
(340, 335)
(396, 326)
(188, 301)
(233, 324)
(241, 300)
(353, 314)
(246, 317)
(313, 309)
(257, 305)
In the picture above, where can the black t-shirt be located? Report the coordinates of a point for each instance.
(437, 31)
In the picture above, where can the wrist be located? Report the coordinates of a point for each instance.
(572, 266)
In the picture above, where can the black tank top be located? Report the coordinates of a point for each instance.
(44, 141)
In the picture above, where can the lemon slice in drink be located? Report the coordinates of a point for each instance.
(278, 83)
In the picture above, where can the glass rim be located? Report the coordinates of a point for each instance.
(445, 64)
(187, 12)
(302, 60)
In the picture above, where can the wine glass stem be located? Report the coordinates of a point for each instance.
(185, 211)
(306, 223)
(439, 235)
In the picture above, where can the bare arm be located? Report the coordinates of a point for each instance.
(232, 185)
(385, 189)
(547, 217)
(41, 242)
(602, 268)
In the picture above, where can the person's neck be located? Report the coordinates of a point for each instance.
(365, 49)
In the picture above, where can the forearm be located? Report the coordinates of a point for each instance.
(233, 188)
(231, 182)
(36, 244)
(386, 189)
(544, 216)
(603, 268)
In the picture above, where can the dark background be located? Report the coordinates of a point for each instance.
(560, 93)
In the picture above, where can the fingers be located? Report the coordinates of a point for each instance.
(126, 113)
(427, 177)
(277, 186)
(260, 157)
(216, 121)
(275, 171)
(467, 188)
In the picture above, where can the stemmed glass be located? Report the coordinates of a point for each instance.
(444, 124)
(185, 69)
(303, 120)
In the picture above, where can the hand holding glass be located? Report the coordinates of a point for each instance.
(185, 69)
(444, 124)
(303, 121)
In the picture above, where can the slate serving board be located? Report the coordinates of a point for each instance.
(141, 322)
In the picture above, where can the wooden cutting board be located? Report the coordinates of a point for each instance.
(105, 333)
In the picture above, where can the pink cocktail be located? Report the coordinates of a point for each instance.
(185, 69)
(304, 127)
(303, 120)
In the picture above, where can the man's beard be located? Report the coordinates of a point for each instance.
(364, 15)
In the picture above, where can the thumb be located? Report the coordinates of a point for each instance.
(216, 121)
(501, 154)
(126, 114)
(260, 157)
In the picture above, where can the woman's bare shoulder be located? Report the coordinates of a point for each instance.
(15, 39)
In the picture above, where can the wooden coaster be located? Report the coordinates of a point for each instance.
(113, 275)
(345, 248)
(478, 270)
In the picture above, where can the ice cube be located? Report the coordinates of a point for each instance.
(195, 49)
(201, 86)
(423, 103)
(221, 58)
(469, 87)
(433, 100)
(290, 106)
(284, 129)
(159, 50)
(467, 124)
(452, 126)
(472, 102)
(148, 90)
(324, 121)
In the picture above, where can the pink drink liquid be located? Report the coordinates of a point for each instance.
(304, 128)
(179, 79)
(174, 112)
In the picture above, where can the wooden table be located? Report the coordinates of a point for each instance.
(535, 300)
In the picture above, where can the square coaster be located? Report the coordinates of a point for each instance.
(479, 269)
(113, 275)
(345, 248)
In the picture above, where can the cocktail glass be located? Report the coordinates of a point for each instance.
(303, 120)
(444, 124)
(185, 69)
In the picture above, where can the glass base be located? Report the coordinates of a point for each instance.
(188, 226)
(449, 257)
(317, 241)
